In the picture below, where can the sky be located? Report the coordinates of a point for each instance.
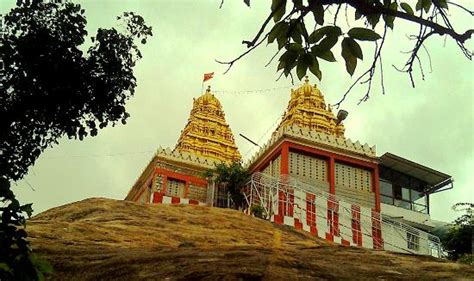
(431, 124)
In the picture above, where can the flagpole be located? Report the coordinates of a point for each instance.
(202, 88)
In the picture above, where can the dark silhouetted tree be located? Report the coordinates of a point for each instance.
(52, 86)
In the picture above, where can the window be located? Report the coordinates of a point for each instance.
(418, 197)
(397, 191)
(386, 199)
(413, 241)
(386, 188)
(405, 194)
(403, 191)
(402, 204)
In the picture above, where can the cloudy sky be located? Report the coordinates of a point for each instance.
(431, 124)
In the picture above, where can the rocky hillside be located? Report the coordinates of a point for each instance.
(103, 239)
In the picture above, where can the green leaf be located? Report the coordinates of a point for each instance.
(321, 32)
(354, 48)
(278, 9)
(350, 59)
(318, 13)
(5, 267)
(327, 55)
(363, 34)
(373, 19)
(281, 65)
(27, 208)
(332, 36)
(419, 5)
(282, 40)
(278, 30)
(315, 36)
(443, 4)
(4, 185)
(296, 31)
(304, 61)
(314, 67)
(298, 4)
(328, 42)
(288, 60)
(42, 266)
(407, 8)
(389, 19)
(295, 47)
(427, 5)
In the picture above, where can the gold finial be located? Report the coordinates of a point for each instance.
(306, 80)
(208, 89)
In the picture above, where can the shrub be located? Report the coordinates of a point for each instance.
(258, 211)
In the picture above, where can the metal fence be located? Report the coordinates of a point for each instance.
(360, 225)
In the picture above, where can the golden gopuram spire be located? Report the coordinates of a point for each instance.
(307, 109)
(207, 134)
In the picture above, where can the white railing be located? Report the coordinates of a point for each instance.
(293, 196)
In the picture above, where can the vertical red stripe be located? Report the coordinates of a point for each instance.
(281, 203)
(332, 176)
(329, 237)
(165, 184)
(298, 224)
(186, 190)
(333, 215)
(175, 200)
(310, 209)
(377, 230)
(158, 197)
(356, 227)
(285, 152)
(291, 204)
(376, 185)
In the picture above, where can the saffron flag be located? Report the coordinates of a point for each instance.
(208, 76)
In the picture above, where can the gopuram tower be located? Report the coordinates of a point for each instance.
(175, 175)
(207, 134)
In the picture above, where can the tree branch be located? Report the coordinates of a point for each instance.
(264, 25)
(231, 63)
(367, 8)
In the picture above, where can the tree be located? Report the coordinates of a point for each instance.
(459, 239)
(52, 85)
(302, 47)
(233, 177)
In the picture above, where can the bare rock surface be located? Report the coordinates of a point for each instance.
(105, 239)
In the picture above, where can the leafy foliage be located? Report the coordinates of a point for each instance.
(302, 46)
(16, 262)
(258, 211)
(459, 238)
(49, 89)
(233, 177)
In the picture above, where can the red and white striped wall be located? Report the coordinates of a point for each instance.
(328, 218)
(160, 198)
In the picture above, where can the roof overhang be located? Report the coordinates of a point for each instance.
(435, 179)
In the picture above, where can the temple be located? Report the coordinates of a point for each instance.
(308, 175)
(176, 176)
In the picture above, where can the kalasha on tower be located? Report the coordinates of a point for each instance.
(308, 175)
